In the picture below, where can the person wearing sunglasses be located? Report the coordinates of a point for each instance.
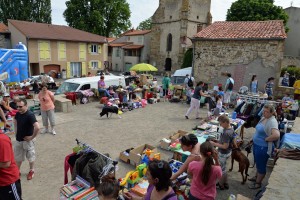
(26, 128)
(46, 98)
(188, 143)
(158, 174)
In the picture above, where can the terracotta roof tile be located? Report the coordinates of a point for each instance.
(3, 28)
(136, 32)
(55, 32)
(133, 47)
(119, 44)
(110, 39)
(229, 30)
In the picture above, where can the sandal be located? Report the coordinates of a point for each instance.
(253, 179)
(254, 185)
(221, 187)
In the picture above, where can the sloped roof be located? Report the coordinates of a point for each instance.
(136, 32)
(3, 28)
(243, 30)
(35, 30)
(133, 47)
(119, 44)
(110, 39)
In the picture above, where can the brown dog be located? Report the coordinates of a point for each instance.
(244, 163)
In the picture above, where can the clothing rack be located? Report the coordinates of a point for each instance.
(257, 99)
(114, 162)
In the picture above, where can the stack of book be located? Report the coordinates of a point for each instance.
(78, 189)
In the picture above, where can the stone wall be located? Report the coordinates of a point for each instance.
(179, 18)
(290, 60)
(240, 58)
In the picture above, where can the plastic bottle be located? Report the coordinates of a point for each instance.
(233, 115)
(10, 122)
(232, 197)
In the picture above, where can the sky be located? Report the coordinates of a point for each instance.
(143, 9)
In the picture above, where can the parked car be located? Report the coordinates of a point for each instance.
(51, 83)
(179, 75)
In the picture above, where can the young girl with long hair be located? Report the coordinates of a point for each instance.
(205, 174)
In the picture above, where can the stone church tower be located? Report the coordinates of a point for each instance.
(173, 23)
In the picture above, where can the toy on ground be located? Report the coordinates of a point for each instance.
(175, 145)
(134, 176)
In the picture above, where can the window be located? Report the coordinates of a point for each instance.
(94, 65)
(61, 51)
(118, 52)
(128, 38)
(75, 69)
(44, 50)
(94, 48)
(140, 39)
(170, 17)
(169, 42)
(85, 87)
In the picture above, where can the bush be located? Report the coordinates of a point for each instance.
(292, 70)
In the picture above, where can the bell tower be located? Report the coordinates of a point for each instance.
(172, 24)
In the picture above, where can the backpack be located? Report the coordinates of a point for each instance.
(230, 85)
(190, 82)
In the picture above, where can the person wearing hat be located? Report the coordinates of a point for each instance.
(6, 107)
(188, 143)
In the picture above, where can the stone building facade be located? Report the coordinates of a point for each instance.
(240, 48)
(173, 23)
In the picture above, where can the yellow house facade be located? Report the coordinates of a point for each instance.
(57, 49)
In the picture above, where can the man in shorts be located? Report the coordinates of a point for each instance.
(27, 129)
(10, 184)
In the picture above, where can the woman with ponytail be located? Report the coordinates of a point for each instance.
(205, 174)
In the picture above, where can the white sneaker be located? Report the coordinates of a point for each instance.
(44, 131)
(53, 132)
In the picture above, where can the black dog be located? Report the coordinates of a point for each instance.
(109, 109)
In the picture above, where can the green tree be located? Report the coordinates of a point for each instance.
(187, 59)
(102, 17)
(145, 25)
(27, 10)
(256, 10)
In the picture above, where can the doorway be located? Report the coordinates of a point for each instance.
(168, 64)
(34, 69)
(52, 70)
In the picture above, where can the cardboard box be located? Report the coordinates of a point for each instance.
(177, 135)
(124, 155)
(165, 144)
(135, 155)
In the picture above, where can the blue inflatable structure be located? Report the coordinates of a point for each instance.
(14, 62)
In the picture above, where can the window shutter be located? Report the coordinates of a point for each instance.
(83, 69)
(68, 69)
(82, 51)
(99, 65)
(47, 51)
(90, 48)
(99, 48)
(90, 65)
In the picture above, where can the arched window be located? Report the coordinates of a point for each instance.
(169, 42)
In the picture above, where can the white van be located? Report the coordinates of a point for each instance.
(180, 74)
(76, 84)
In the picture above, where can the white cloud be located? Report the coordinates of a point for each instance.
(143, 9)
